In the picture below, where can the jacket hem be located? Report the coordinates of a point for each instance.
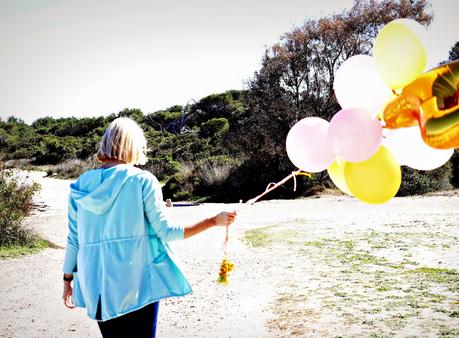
(139, 307)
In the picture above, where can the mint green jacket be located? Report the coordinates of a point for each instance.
(117, 244)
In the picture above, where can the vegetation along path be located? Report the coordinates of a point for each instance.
(328, 266)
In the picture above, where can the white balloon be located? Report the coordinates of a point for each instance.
(409, 148)
(358, 84)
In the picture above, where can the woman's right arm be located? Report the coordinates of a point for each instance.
(154, 210)
(153, 205)
(222, 219)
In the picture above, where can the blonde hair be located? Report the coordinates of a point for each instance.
(123, 140)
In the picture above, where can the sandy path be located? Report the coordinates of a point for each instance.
(274, 291)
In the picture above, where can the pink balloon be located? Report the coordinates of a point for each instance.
(308, 146)
(354, 134)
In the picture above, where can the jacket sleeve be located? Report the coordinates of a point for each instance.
(154, 210)
(70, 261)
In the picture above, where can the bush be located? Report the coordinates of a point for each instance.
(15, 204)
(415, 182)
(455, 170)
(251, 178)
(178, 187)
(162, 167)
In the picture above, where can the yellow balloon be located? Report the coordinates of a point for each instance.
(336, 173)
(399, 53)
(375, 180)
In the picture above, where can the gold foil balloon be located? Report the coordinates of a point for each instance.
(399, 52)
(375, 180)
(432, 102)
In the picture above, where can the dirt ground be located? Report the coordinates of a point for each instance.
(316, 267)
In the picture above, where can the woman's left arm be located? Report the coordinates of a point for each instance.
(71, 252)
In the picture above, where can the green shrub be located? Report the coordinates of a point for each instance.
(15, 204)
(162, 167)
(214, 127)
(178, 187)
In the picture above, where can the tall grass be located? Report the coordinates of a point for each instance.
(72, 168)
(203, 179)
(26, 164)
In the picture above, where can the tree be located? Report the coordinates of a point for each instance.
(20, 139)
(229, 105)
(44, 125)
(57, 149)
(296, 77)
(162, 119)
(135, 114)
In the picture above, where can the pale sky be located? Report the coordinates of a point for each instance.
(95, 57)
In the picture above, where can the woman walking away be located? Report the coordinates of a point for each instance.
(118, 263)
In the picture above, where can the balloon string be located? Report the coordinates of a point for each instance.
(225, 243)
(294, 182)
(271, 186)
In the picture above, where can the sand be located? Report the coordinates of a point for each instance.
(287, 286)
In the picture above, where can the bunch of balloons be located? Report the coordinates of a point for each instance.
(391, 115)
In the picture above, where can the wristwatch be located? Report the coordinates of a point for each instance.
(68, 278)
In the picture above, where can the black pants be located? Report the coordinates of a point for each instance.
(137, 324)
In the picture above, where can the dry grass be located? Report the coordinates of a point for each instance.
(72, 168)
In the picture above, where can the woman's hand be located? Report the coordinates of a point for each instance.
(67, 295)
(225, 218)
